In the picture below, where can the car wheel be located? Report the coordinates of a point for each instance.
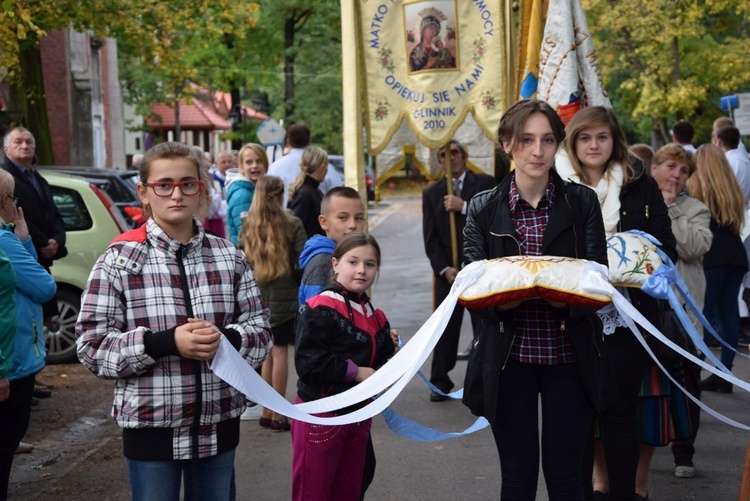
(60, 337)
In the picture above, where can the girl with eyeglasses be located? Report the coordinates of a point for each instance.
(152, 317)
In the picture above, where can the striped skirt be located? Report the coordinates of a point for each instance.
(662, 408)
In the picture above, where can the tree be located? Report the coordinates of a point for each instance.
(21, 26)
(671, 59)
(180, 45)
(294, 56)
(159, 42)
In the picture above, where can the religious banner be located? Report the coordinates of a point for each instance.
(569, 73)
(431, 62)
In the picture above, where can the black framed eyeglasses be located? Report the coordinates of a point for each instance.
(15, 199)
(166, 188)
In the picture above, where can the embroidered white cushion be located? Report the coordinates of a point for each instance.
(632, 259)
(514, 278)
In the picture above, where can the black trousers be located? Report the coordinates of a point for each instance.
(444, 354)
(15, 413)
(627, 363)
(567, 417)
(684, 450)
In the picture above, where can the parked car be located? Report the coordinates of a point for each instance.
(337, 161)
(92, 220)
(120, 185)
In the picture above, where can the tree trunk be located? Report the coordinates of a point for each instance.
(236, 101)
(27, 97)
(236, 108)
(289, 32)
(177, 127)
(676, 74)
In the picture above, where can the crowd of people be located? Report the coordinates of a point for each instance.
(32, 237)
(605, 404)
(268, 256)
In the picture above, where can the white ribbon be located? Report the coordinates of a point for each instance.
(389, 379)
(594, 279)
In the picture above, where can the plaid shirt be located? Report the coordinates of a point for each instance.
(539, 339)
(145, 281)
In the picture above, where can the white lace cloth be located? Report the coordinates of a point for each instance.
(610, 315)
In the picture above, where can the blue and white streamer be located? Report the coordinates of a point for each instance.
(388, 381)
(659, 286)
(595, 280)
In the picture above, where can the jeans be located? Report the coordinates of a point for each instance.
(205, 479)
(567, 417)
(721, 308)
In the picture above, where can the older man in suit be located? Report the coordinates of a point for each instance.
(436, 206)
(35, 198)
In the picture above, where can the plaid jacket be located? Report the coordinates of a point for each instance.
(146, 281)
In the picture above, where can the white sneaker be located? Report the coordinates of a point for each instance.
(252, 413)
(684, 471)
(24, 448)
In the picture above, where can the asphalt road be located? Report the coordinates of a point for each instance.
(465, 468)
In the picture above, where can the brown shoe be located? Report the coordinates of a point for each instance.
(265, 422)
(280, 425)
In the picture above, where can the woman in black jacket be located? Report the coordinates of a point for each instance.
(536, 347)
(595, 153)
(304, 196)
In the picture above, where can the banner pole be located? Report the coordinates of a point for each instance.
(451, 214)
(354, 172)
(511, 78)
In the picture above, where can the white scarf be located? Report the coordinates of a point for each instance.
(607, 191)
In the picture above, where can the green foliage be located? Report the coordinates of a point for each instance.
(177, 43)
(313, 54)
(664, 60)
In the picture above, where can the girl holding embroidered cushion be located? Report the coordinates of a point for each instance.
(535, 347)
(595, 154)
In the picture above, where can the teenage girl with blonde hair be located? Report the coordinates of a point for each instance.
(304, 196)
(273, 240)
(252, 164)
(595, 153)
(725, 264)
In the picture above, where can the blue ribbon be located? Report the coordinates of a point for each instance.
(405, 427)
(689, 299)
(659, 285)
(409, 429)
(456, 395)
(648, 237)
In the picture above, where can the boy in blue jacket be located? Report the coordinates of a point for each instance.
(341, 211)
